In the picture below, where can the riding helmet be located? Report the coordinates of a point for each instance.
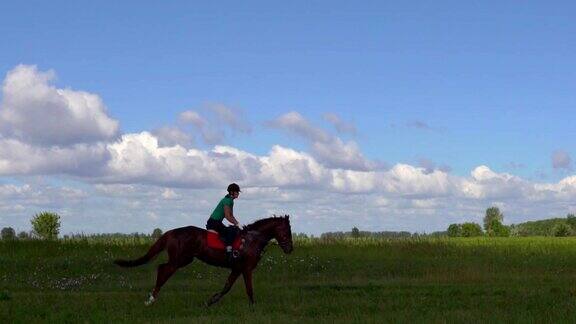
(233, 188)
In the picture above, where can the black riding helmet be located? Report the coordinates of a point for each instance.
(233, 188)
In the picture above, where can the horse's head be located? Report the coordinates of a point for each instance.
(283, 234)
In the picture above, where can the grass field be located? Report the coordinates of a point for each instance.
(522, 280)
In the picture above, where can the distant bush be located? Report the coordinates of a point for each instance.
(464, 230)
(561, 229)
(455, 230)
(8, 233)
(23, 235)
(496, 228)
(471, 230)
(46, 225)
(543, 227)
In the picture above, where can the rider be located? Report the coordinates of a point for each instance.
(224, 209)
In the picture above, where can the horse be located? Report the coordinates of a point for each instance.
(186, 243)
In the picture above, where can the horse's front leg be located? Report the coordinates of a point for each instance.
(231, 279)
(248, 282)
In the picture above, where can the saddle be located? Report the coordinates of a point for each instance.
(215, 242)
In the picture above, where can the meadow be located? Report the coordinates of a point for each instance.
(432, 280)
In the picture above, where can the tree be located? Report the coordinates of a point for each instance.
(561, 229)
(454, 230)
(492, 213)
(355, 232)
(46, 225)
(23, 235)
(8, 233)
(496, 228)
(471, 230)
(156, 233)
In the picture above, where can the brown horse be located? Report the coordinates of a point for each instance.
(186, 243)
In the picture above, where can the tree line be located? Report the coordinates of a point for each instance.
(493, 226)
(46, 226)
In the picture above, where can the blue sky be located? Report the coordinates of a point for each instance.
(456, 83)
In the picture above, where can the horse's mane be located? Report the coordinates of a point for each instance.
(261, 222)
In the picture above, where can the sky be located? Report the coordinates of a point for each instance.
(123, 117)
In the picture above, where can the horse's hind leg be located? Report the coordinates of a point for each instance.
(165, 271)
(231, 279)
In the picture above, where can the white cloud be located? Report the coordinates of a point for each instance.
(79, 159)
(159, 172)
(33, 111)
(170, 194)
(429, 166)
(171, 136)
(329, 150)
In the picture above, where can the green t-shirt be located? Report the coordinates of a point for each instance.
(218, 213)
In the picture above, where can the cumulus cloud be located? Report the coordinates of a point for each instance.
(171, 136)
(329, 150)
(47, 130)
(561, 160)
(18, 158)
(138, 158)
(487, 184)
(160, 171)
(33, 111)
(429, 166)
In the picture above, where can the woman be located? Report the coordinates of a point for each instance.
(225, 209)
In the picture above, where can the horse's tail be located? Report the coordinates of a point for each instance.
(156, 248)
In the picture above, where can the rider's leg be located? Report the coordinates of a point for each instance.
(225, 233)
(229, 236)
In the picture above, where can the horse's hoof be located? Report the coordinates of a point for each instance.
(150, 300)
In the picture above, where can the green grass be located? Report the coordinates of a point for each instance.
(523, 280)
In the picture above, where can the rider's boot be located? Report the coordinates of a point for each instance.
(229, 255)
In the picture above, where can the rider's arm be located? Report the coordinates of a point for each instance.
(229, 216)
